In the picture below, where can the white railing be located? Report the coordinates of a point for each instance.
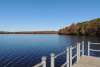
(69, 57)
(78, 53)
(90, 49)
(42, 63)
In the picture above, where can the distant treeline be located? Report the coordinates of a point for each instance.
(91, 27)
(29, 32)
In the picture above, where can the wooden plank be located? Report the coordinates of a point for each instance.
(88, 61)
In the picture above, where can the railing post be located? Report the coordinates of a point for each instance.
(67, 57)
(44, 61)
(82, 48)
(70, 57)
(52, 60)
(78, 52)
(88, 48)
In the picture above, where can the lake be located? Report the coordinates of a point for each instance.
(25, 50)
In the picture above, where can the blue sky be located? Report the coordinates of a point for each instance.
(32, 15)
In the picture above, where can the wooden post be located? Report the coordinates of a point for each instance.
(70, 57)
(67, 56)
(52, 60)
(44, 61)
(78, 52)
(82, 48)
(88, 48)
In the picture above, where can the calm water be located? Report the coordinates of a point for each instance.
(27, 50)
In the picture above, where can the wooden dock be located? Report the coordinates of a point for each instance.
(88, 61)
(81, 59)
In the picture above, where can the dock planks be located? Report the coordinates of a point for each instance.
(88, 61)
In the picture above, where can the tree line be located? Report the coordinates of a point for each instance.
(91, 27)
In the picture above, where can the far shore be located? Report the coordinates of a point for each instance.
(31, 32)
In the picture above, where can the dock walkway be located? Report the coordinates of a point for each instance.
(81, 59)
(88, 61)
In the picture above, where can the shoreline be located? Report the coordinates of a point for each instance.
(33, 32)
